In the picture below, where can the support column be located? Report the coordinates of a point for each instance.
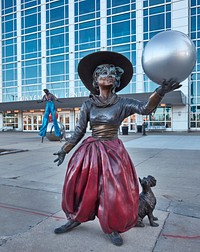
(19, 51)
(103, 24)
(139, 47)
(71, 50)
(43, 43)
(1, 93)
(180, 22)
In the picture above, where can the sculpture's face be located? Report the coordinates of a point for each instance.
(107, 75)
(105, 71)
(106, 82)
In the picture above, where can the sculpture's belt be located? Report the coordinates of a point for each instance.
(104, 132)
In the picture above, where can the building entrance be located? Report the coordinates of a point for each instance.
(32, 121)
(64, 118)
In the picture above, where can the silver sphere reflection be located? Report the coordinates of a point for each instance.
(169, 55)
(50, 133)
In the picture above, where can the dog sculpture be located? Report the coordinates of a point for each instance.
(147, 202)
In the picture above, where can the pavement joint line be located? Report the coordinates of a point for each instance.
(145, 160)
(10, 151)
(161, 230)
(29, 211)
(29, 188)
(185, 237)
(180, 214)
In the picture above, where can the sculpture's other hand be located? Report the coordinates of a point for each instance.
(168, 86)
(39, 101)
(61, 156)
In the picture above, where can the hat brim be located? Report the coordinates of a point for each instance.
(88, 64)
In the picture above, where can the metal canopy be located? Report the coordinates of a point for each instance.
(175, 98)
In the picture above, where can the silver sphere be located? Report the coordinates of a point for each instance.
(169, 55)
(50, 132)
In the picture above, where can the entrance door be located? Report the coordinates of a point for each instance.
(32, 121)
(64, 118)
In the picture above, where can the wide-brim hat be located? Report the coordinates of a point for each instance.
(88, 64)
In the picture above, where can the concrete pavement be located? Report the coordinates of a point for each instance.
(31, 186)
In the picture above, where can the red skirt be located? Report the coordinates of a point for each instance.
(101, 181)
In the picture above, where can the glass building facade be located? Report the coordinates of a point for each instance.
(194, 98)
(42, 42)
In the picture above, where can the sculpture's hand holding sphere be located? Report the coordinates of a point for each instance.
(169, 55)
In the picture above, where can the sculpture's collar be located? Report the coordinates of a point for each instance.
(100, 102)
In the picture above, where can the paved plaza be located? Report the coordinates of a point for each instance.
(31, 186)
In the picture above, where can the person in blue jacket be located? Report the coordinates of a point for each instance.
(50, 108)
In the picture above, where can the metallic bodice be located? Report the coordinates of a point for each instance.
(104, 132)
(105, 119)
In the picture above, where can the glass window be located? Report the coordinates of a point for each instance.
(87, 17)
(198, 87)
(9, 75)
(121, 29)
(31, 72)
(119, 2)
(31, 62)
(7, 4)
(156, 10)
(120, 9)
(55, 68)
(146, 24)
(117, 18)
(55, 31)
(30, 20)
(30, 3)
(8, 51)
(9, 26)
(193, 88)
(30, 46)
(86, 25)
(57, 41)
(155, 2)
(56, 14)
(87, 35)
(157, 22)
(10, 120)
(9, 94)
(56, 58)
(86, 6)
(168, 20)
(195, 84)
